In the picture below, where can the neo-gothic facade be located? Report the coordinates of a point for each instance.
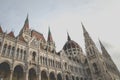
(29, 56)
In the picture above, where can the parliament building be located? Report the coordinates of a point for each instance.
(28, 56)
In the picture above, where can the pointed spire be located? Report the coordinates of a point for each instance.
(50, 39)
(88, 39)
(84, 30)
(68, 37)
(104, 51)
(1, 31)
(26, 24)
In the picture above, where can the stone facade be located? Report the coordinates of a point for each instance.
(29, 56)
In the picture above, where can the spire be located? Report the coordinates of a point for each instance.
(88, 39)
(50, 39)
(104, 51)
(26, 24)
(84, 30)
(89, 44)
(68, 37)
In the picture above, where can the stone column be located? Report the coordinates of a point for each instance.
(11, 75)
(26, 75)
(37, 76)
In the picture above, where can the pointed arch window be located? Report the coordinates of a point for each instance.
(34, 56)
(8, 51)
(93, 50)
(90, 51)
(88, 71)
(21, 53)
(65, 65)
(17, 55)
(12, 52)
(45, 61)
(41, 59)
(24, 57)
(49, 62)
(95, 67)
(4, 48)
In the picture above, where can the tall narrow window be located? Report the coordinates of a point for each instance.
(33, 56)
(90, 51)
(95, 67)
(88, 71)
(4, 48)
(65, 65)
(17, 54)
(46, 61)
(41, 59)
(12, 52)
(21, 53)
(24, 57)
(8, 51)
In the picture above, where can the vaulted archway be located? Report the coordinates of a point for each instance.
(77, 78)
(67, 77)
(59, 77)
(32, 74)
(52, 76)
(18, 73)
(4, 71)
(73, 78)
(44, 75)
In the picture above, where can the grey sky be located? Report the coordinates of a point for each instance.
(100, 17)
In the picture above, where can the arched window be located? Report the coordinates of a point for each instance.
(12, 52)
(95, 67)
(41, 59)
(81, 78)
(93, 50)
(24, 57)
(90, 51)
(4, 48)
(17, 55)
(65, 65)
(45, 61)
(33, 56)
(88, 71)
(60, 64)
(8, 51)
(49, 61)
(53, 64)
(21, 53)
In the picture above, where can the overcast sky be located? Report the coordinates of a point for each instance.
(100, 17)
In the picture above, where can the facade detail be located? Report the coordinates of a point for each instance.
(29, 56)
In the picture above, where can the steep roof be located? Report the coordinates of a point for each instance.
(38, 35)
(11, 34)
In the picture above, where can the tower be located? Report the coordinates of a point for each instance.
(25, 31)
(110, 67)
(50, 42)
(93, 57)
